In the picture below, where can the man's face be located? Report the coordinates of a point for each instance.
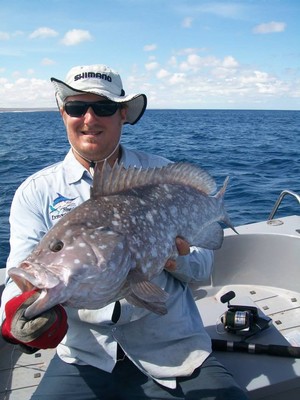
(93, 137)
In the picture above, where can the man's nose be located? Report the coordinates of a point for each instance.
(90, 114)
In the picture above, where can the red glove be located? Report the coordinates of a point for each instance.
(45, 331)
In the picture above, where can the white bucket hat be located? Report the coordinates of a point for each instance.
(103, 81)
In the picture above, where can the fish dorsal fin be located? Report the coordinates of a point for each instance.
(117, 179)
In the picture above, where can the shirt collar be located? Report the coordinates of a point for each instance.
(74, 171)
(129, 158)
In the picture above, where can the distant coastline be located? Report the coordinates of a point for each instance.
(27, 109)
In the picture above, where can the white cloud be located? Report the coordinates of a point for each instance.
(26, 92)
(162, 73)
(42, 33)
(226, 69)
(76, 36)
(195, 62)
(254, 77)
(4, 36)
(16, 74)
(212, 82)
(177, 78)
(151, 66)
(270, 27)
(172, 61)
(230, 62)
(187, 22)
(150, 47)
(47, 61)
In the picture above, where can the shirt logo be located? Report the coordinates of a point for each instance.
(61, 206)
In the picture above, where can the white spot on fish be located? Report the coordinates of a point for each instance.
(82, 244)
(76, 261)
(149, 217)
(154, 252)
(174, 211)
(152, 239)
(69, 248)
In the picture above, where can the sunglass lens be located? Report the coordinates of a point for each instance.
(100, 108)
(76, 109)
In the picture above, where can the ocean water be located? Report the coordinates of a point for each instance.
(259, 150)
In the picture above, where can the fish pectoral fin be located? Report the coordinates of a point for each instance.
(211, 237)
(156, 307)
(146, 294)
(149, 292)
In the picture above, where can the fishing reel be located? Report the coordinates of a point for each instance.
(242, 320)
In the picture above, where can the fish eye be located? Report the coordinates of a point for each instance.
(56, 245)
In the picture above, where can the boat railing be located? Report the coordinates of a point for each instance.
(279, 201)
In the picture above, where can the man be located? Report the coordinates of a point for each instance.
(119, 351)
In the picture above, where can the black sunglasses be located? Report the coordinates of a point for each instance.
(100, 108)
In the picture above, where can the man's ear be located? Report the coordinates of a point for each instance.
(123, 112)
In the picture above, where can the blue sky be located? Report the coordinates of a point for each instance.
(181, 53)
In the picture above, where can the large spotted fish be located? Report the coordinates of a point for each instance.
(112, 245)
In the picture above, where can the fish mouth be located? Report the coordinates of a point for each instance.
(36, 277)
(33, 276)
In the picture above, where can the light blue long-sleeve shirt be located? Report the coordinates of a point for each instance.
(161, 346)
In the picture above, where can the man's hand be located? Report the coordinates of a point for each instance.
(45, 331)
(183, 248)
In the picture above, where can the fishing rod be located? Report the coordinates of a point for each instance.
(253, 348)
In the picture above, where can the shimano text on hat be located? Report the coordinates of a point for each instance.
(85, 75)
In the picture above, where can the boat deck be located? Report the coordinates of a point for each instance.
(21, 373)
(261, 265)
(263, 376)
